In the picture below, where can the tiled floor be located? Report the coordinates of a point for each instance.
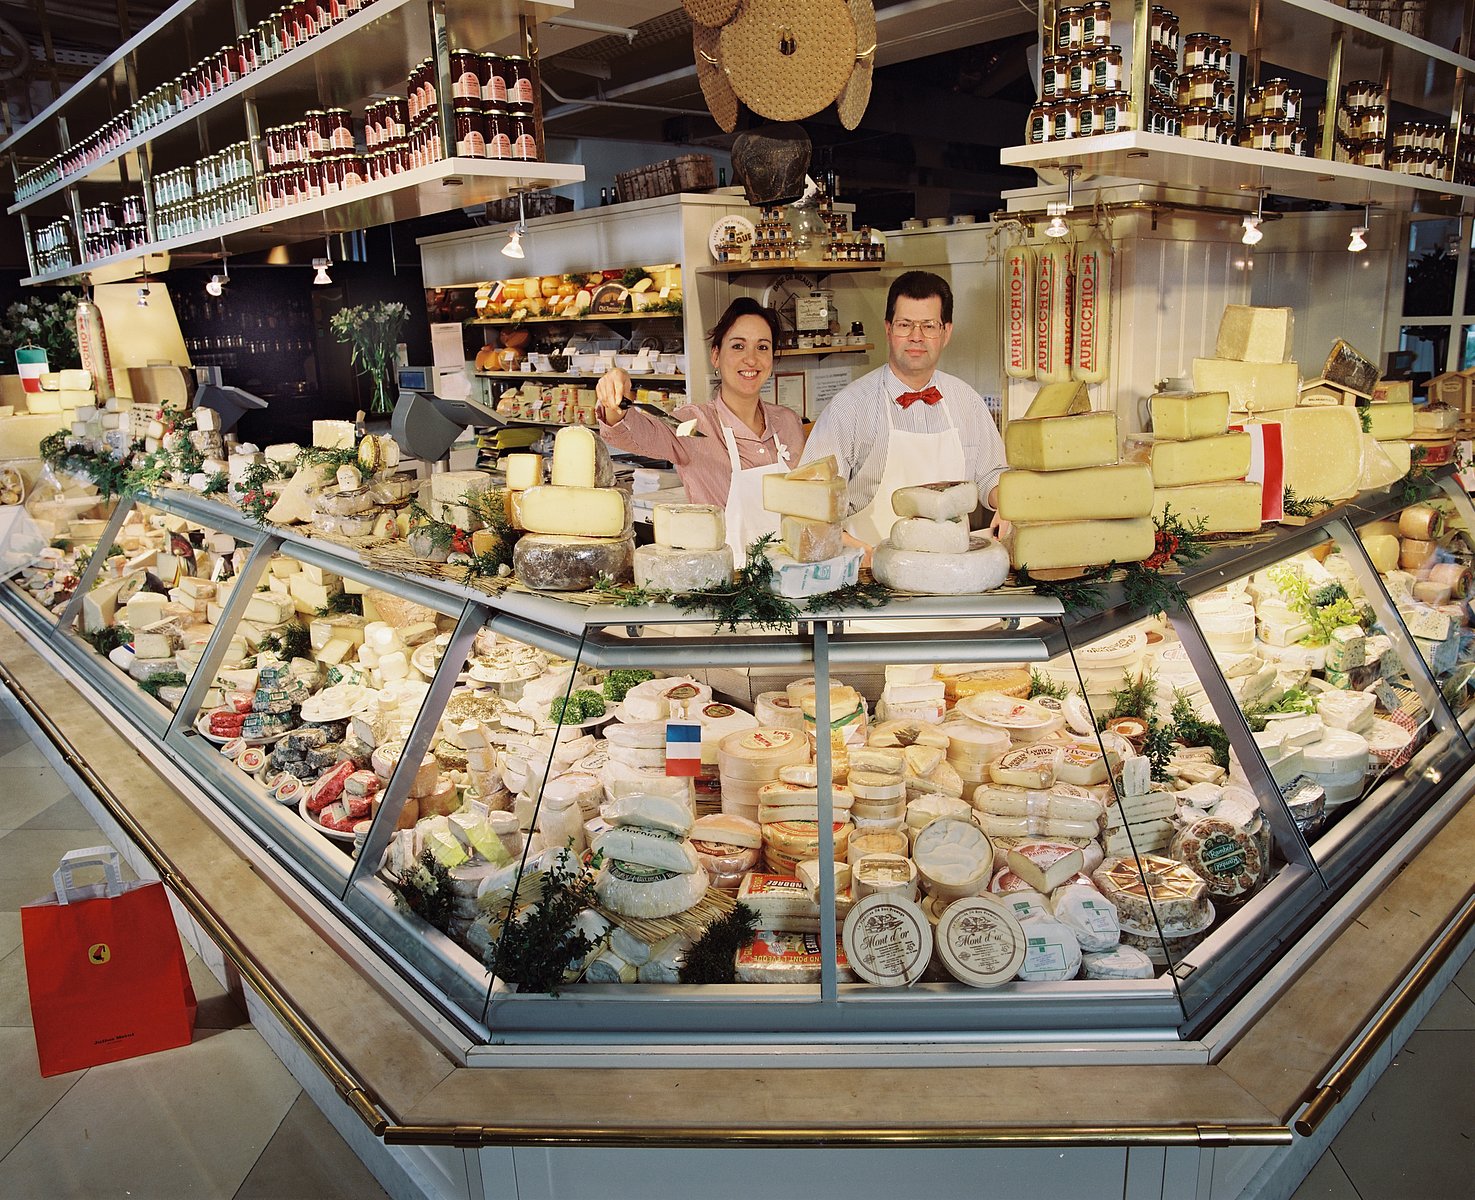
(219, 1118)
(222, 1118)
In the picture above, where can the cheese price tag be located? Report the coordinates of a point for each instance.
(683, 748)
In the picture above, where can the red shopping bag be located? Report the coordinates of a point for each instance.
(105, 968)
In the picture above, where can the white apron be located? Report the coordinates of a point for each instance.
(747, 519)
(911, 459)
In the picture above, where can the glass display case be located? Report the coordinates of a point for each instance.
(1110, 825)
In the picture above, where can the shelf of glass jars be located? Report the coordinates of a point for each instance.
(434, 188)
(399, 36)
(821, 351)
(591, 317)
(724, 270)
(377, 47)
(1213, 166)
(574, 376)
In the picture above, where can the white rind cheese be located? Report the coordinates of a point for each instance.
(673, 570)
(936, 501)
(690, 526)
(984, 567)
(633, 891)
(929, 536)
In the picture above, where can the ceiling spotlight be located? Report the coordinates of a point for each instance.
(218, 281)
(1057, 227)
(1357, 243)
(513, 248)
(143, 296)
(321, 265)
(1253, 233)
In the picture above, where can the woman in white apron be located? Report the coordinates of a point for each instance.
(745, 438)
(912, 459)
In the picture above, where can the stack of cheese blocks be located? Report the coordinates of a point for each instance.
(650, 869)
(1198, 466)
(1252, 363)
(206, 438)
(930, 548)
(751, 758)
(118, 419)
(912, 692)
(1071, 501)
(788, 813)
(578, 526)
(690, 553)
(1141, 821)
(810, 503)
(62, 391)
(1388, 416)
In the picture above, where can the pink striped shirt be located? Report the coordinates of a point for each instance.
(702, 463)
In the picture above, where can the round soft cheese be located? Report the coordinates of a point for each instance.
(981, 568)
(954, 858)
(981, 941)
(1120, 962)
(682, 571)
(1051, 952)
(1021, 720)
(888, 940)
(1088, 914)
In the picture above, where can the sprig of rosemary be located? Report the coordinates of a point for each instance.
(537, 947)
(424, 890)
(1303, 506)
(713, 956)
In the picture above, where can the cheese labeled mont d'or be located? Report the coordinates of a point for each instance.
(1183, 416)
(1053, 544)
(1252, 386)
(1060, 443)
(1101, 493)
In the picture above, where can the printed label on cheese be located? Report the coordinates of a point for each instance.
(888, 939)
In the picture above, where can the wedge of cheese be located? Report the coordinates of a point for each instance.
(1226, 507)
(1061, 443)
(1322, 451)
(812, 499)
(1054, 544)
(1059, 400)
(1182, 416)
(1203, 460)
(1252, 386)
(1107, 493)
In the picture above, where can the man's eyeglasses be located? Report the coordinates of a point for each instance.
(928, 329)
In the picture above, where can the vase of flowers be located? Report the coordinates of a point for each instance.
(372, 332)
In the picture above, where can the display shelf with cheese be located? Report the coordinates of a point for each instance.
(944, 713)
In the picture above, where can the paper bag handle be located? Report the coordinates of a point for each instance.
(93, 856)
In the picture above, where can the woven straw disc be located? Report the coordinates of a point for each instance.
(720, 97)
(856, 93)
(820, 39)
(714, 14)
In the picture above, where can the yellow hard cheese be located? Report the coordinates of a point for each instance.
(1252, 386)
(820, 468)
(586, 511)
(1391, 421)
(1322, 450)
(1061, 443)
(1203, 460)
(1226, 507)
(813, 499)
(1080, 495)
(1054, 544)
(523, 470)
(1182, 416)
(1251, 334)
(1059, 400)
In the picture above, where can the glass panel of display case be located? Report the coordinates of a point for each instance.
(314, 677)
(1429, 345)
(1423, 555)
(154, 604)
(1433, 259)
(1347, 725)
(69, 515)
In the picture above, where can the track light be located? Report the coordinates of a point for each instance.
(1357, 243)
(143, 296)
(513, 248)
(1057, 227)
(1253, 233)
(1056, 209)
(321, 265)
(219, 281)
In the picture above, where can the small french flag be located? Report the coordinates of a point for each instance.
(683, 748)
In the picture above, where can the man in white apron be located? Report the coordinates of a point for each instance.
(908, 423)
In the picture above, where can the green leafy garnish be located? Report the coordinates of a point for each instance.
(713, 956)
(622, 679)
(539, 945)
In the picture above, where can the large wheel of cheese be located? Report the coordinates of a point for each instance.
(716, 90)
(984, 567)
(787, 61)
(711, 14)
(856, 93)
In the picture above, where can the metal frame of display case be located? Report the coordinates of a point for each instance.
(1172, 1006)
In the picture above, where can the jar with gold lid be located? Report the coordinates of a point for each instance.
(1096, 23)
(471, 130)
(1106, 69)
(1037, 132)
(1200, 123)
(1199, 50)
(1054, 76)
(1065, 119)
(1365, 93)
(1069, 27)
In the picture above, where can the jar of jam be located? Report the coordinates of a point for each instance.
(1116, 113)
(1372, 153)
(1365, 93)
(1088, 116)
(355, 170)
(1106, 69)
(1281, 132)
(331, 172)
(525, 137)
(1078, 72)
(465, 74)
(493, 80)
(1405, 136)
(338, 129)
(1065, 120)
(1292, 106)
(1260, 132)
(1054, 77)
(500, 132)
(428, 85)
(1199, 50)
(1161, 76)
(1096, 23)
(1198, 87)
(1404, 160)
(1200, 123)
(521, 83)
(471, 131)
(396, 118)
(1163, 31)
(1220, 54)
(313, 120)
(1069, 26)
(1224, 96)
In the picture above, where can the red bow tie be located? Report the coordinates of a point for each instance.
(927, 396)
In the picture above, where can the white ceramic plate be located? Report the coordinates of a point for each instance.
(202, 727)
(734, 224)
(322, 829)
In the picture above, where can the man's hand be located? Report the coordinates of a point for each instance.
(999, 527)
(613, 386)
